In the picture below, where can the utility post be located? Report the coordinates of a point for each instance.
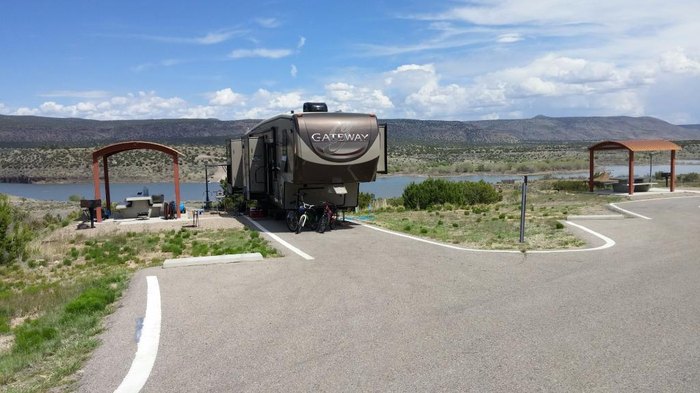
(207, 200)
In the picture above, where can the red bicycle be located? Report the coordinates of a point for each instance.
(329, 217)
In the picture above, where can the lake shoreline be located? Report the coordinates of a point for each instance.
(379, 176)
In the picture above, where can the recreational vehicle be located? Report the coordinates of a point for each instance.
(315, 155)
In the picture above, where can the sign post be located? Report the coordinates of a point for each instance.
(523, 208)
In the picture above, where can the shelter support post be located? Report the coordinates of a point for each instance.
(630, 180)
(591, 166)
(176, 176)
(96, 183)
(106, 175)
(673, 171)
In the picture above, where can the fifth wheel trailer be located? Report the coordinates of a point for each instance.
(318, 155)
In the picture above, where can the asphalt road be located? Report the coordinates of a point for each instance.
(377, 312)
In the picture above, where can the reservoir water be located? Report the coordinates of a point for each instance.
(384, 187)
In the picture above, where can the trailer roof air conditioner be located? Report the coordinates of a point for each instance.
(315, 107)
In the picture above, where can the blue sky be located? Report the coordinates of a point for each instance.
(449, 60)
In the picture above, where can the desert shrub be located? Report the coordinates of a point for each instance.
(432, 193)
(32, 335)
(692, 177)
(479, 192)
(396, 202)
(365, 199)
(15, 233)
(92, 300)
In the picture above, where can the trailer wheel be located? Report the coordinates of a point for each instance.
(292, 221)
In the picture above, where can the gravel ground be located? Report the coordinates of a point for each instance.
(39, 208)
(108, 227)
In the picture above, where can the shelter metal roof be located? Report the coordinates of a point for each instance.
(133, 145)
(636, 145)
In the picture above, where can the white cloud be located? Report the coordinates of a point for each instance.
(260, 52)
(226, 97)
(293, 71)
(548, 12)
(76, 93)
(214, 38)
(350, 98)
(553, 75)
(301, 43)
(264, 103)
(24, 111)
(269, 23)
(4, 109)
(410, 77)
(210, 38)
(142, 105)
(162, 63)
(508, 38)
(678, 62)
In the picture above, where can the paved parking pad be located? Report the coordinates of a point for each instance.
(377, 312)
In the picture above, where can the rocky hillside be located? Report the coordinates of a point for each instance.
(540, 129)
(34, 130)
(45, 131)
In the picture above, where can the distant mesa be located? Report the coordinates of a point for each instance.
(19, 131)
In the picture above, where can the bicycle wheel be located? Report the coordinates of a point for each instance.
(322, 223)
(333, 219)
(292, 221)
(302, 221)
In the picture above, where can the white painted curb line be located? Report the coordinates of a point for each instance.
(627, 212)
(596, 217)
(608, 241)
(279, 240)
(212, 260)
(147, 349)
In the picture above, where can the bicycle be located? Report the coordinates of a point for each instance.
(329, 217)
(304, 215)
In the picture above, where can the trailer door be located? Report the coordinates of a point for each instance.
(258, 171)
(234, 175)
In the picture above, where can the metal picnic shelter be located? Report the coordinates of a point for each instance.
(633, 146)
(115, 148)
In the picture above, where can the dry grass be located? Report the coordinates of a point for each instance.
(497, 226)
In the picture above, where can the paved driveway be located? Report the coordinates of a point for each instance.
(377, 312)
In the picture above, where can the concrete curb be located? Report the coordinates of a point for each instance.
(212, 260)
(596, 217)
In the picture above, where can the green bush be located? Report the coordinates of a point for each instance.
(439, 192)
(692, 177)
(364, 200)
(15, 233)
(33, 334)
(92, 300)
(4, 324)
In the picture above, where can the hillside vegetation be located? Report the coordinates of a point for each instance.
(43, 131)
